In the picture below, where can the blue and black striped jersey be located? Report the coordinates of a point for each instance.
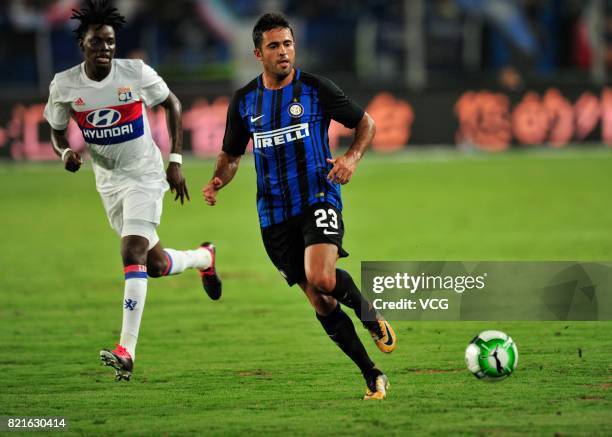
(290, 141)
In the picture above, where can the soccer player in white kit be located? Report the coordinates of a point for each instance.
(106, 97)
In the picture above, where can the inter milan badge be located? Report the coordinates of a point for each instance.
(124, 94)
(296, 110)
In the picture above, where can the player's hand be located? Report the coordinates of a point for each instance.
(175, 178)
(343, 168)
(72, 161)
(211, 189)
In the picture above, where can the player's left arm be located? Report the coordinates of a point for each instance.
(337, 106)
(174, 174)
(344, 166)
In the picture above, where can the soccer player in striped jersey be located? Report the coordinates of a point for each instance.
(107, 99)
(286, 112)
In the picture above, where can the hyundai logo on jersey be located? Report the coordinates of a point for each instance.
(104, 117)
(281, 136)
(112, 125)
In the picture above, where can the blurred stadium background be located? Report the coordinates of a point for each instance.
(488, 74)
(444, 79)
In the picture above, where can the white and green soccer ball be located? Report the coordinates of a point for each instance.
(491, 355)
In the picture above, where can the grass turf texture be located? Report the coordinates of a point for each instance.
(258, 361)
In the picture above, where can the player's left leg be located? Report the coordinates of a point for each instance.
(164, 261)
(346, 291)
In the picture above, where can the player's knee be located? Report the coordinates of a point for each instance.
(156, 268)
(323, 304)
(134, 254)
(322, 281)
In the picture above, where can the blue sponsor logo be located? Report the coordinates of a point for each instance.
(115, 134)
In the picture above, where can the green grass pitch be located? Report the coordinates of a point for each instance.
(257, 361)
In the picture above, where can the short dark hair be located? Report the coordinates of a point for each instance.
(268, 22)
(98, 12)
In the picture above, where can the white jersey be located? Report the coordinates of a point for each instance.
(113, 120)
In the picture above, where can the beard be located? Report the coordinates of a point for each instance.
(281, 73)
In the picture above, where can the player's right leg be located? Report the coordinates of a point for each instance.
(340, 329)
(134, 214)
(346, 292)
(323, 243)
(134, 247)
(320, 263)
(284, 244)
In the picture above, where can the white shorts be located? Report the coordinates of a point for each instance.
(136, 205)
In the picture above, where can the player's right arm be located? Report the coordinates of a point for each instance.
(57, 113)
(72, 160)
(235, 141)
(225, 169)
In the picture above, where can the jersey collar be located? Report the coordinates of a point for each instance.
(94, 83)
(260, 84)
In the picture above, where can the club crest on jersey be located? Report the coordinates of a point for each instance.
(284, 135)
(295, 110)
(124, 94)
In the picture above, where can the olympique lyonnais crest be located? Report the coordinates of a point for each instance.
(124, 94)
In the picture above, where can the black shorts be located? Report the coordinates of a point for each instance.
(285, 242)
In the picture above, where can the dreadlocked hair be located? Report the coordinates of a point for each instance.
(98, 12)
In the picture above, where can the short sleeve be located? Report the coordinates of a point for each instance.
(57, 112)
(337, 106)
(236, 135)
(153, 89)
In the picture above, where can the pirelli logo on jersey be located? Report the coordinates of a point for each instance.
(281, 136)
(111, 125)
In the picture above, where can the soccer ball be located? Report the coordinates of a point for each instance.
(491, 355)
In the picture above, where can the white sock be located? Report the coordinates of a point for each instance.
(181, 260)
(133, 305)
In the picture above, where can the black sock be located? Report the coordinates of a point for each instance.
(340, 329)
(347, 293)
